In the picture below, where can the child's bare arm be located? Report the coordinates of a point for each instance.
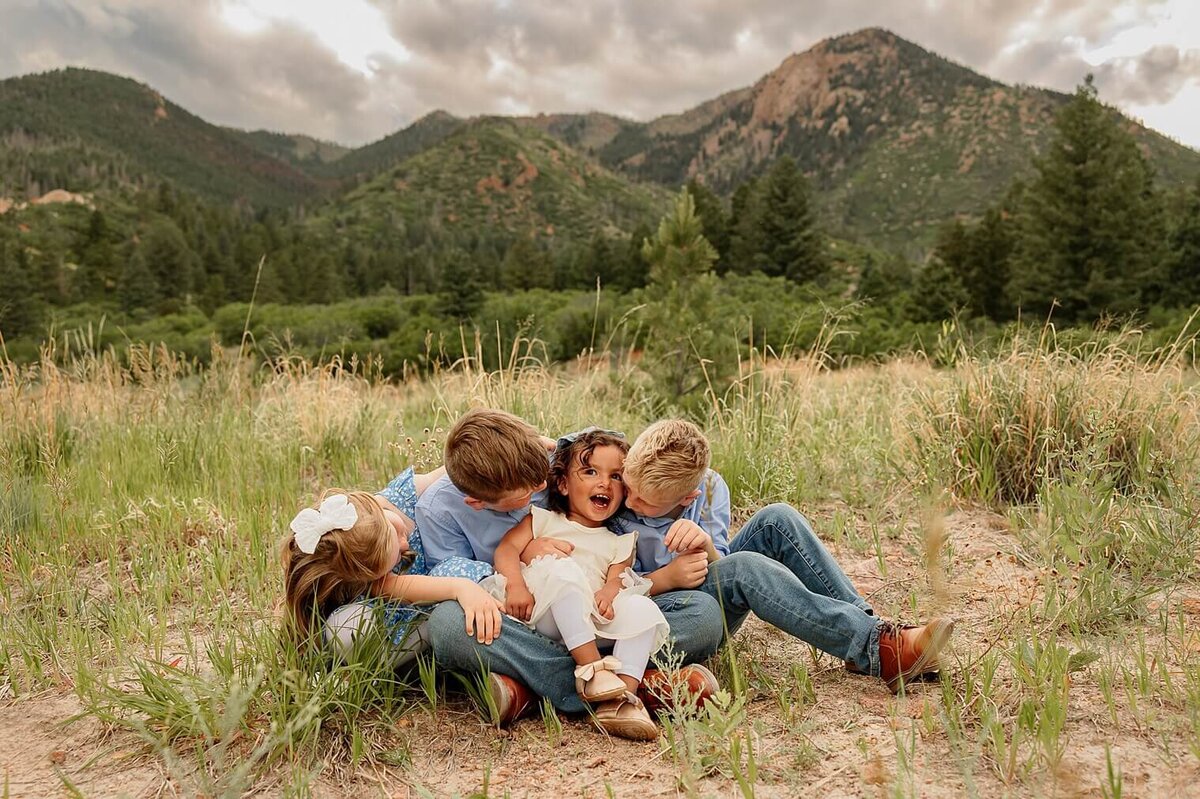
(519, 601)
(481, 609)
(612, 586)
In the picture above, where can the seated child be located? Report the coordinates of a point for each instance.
(354, 545)
(592, 595)
(775, 566)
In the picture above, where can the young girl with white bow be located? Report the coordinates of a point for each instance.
(355, 545)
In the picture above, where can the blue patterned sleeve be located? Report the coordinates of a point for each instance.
(473, 570)
(402, 492)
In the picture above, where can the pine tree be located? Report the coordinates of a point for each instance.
(745, 238)
(989, 253)
(526, 266)
(462, 290)
(599, 262)
(1091, 221)
(938, 292)
(21, 310)
(792, 245)
(97, 274)
(137, 288)
(1184, 255)
(883, 280)
(632, 270)
(685, 351)
(168, 257)
(715, 220)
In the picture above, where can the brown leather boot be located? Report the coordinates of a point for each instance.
(511, 696)
(906, 652)
(698, 682)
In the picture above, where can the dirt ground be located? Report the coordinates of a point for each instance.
(843, 744)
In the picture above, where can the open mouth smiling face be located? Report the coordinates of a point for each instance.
(594, 489)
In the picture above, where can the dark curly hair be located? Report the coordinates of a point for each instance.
(578, 450)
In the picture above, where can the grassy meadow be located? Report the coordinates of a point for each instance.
(1046, 497)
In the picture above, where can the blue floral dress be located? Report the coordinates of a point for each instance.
(399, 616)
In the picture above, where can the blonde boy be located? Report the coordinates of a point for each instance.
(776, 566)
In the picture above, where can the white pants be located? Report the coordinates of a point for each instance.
(566, 621)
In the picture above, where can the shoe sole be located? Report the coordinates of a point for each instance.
(933, 675)
(629, 729)
(929, 657)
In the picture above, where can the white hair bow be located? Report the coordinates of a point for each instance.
(335, 513)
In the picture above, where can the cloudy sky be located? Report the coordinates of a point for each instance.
(354, 70)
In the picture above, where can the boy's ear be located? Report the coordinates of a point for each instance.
(689, 499)
(474, 504)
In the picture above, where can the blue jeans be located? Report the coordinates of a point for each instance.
(780, 570)
(545, 665)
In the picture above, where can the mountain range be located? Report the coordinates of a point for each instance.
(894, 139)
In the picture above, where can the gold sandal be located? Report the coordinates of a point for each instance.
(626, 717)
(596, 681)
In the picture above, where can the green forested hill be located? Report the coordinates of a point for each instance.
(371, 159)
(304, 152)
(496, 174)
(83, 130)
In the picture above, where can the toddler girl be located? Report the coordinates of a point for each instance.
(356, 544)
(593, 595)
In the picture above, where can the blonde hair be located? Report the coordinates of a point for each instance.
(492, 453)
(340, 569)
(668, 459)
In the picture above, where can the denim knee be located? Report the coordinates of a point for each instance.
(447, 628)
(696, 620)
(784, 515)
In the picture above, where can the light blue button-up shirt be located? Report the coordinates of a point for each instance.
(452, 528)
(710, 511)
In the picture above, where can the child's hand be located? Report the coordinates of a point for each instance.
(520, 601)
(538, 547)
(685, 536)
(482, 611)
(688, 570)
(604, 600)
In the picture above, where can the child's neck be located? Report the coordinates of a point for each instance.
(580, 519)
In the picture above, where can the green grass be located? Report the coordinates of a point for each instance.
(143, 503)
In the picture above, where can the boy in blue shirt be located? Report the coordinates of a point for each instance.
(776, 566)
(496, 468)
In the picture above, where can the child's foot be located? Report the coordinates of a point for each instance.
(657, 690)
(626, 717)
(907, 652)
(597, 681)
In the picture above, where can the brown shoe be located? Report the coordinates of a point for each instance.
(906, 652)
(510, 696)
(926, 676)
(698, 682)
(626, 717)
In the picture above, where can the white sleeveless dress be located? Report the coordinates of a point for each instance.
(596, 549)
